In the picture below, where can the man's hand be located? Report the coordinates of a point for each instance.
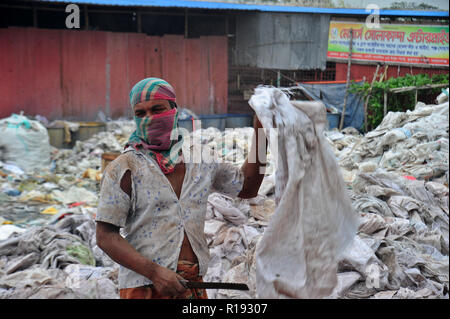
(166, 282)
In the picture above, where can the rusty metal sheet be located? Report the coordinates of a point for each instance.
(30, 79)
(125, 66)
(197, 76)
(136, 58)
(153, 57)
(46, 97)
(75, 74)
(83, 74)
(218, 73)
(174, 66)
(9, 75)
(116, 90)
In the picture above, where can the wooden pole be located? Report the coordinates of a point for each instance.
(415, 97)
(86, 18)
(412, 88)
(349, 64)
(385, 104)
(384, 75)
(186, 23)
(139, 22)
(366, 104)
(227, 26)
(35, 23)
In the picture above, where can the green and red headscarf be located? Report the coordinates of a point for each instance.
(151, 89)
(156, 135)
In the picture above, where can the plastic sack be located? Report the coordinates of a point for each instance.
(314, 221)
(443, 97)
(24, 142)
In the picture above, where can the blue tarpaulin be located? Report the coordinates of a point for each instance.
(332, 95)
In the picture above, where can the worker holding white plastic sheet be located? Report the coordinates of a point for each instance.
(159, 199)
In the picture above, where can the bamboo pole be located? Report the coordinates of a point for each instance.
(384, 73)
(382, 78)
(341, 125)
(411, 88)
(366, 104)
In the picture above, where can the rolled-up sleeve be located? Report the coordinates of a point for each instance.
(228, 179)
(114, 203)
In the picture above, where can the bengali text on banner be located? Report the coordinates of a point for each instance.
(396, 43)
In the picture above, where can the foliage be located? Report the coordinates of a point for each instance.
(413, 5)
(399, 102)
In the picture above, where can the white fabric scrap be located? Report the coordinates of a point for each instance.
(314, 220)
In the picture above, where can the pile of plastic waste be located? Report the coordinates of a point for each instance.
(396, 176)
(414, 143)
(47, 228)
(57, 260)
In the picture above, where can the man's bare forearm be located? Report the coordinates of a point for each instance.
(164, 280)
(119, 250)
(252, 168)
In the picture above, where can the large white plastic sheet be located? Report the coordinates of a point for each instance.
(314, 220)
(24, 143)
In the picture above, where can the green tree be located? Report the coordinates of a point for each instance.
(411, 5)
(400, 102)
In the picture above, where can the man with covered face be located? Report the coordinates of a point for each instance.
(160, 200)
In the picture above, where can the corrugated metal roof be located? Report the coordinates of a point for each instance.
(259, 44)
(249, 7)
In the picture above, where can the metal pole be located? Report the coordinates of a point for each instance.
(341, 125)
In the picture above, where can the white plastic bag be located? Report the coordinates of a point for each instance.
(24, 142)
(314, 221)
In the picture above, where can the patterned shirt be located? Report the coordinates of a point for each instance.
(154, 219)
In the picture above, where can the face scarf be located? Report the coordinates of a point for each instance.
(156, 135)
